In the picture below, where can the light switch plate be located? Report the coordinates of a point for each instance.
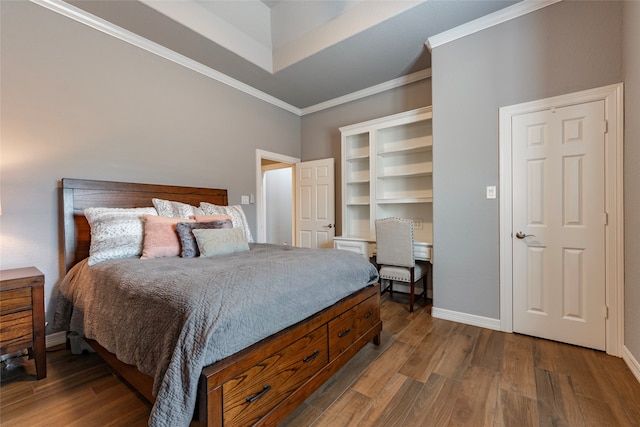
(491, 192)
(244, 200)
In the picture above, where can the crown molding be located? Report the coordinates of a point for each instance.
(508, 13)
(127, 36)
(106, 27)
(382, 87)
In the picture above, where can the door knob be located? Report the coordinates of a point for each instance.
(522, 235)
(330, 225)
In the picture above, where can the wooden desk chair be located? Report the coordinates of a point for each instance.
(395, 259)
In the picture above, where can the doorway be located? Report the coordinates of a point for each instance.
(278, 198)
(265, 162)
(547, 273)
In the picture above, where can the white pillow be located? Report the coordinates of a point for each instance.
(236, 213)
(220, 241)
(115, 232)
(172, 209)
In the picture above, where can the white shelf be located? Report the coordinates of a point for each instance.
(404, 201)
(407, 150)
(406, 175)
(358, 158)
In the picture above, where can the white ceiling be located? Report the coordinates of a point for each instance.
(303, 52)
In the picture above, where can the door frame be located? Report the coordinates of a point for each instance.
(612, 96)
(261, 212)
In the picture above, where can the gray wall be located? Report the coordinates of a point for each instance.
(320, 133)
(563, 48)
(631, 61)
(80, 104)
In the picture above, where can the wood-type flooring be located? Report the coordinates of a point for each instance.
(426, 372)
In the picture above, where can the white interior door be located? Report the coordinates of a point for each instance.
(558, 202)
(315, 203)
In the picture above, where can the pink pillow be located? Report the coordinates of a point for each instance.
(160, 236)
(209, 218)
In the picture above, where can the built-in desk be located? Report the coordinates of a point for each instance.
(422, 251)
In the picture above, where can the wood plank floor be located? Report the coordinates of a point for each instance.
(426, 372)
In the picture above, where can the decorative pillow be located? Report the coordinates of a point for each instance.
(115, 232)
(172, 209)
(235, 212)
(188, 240)
(221, 241)
(160, 237)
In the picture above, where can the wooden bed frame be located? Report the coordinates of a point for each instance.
(263, 383)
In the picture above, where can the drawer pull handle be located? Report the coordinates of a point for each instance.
(313, 356)
(369, 314)
(344, 333)
(255, 397)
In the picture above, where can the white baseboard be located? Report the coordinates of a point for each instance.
(632, 362)
(469, 319)
(56, 338)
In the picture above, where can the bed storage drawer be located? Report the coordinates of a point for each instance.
(349, 326)
(252, 394)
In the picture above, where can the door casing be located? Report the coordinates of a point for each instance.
(612, 95)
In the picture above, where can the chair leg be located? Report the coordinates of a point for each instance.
(412, 291)
(424, 285)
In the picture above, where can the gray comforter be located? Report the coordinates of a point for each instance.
(170, 317)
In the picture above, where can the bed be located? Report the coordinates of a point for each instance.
(263, 378)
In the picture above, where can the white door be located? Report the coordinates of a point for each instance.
(558, 200)
(315, 204)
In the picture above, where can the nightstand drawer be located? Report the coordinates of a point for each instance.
(16, 330)
(15, 300)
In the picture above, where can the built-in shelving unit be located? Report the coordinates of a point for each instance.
(387, 167)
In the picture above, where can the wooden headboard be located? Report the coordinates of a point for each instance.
(78, 194)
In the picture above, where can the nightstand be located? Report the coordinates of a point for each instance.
(22, 314)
